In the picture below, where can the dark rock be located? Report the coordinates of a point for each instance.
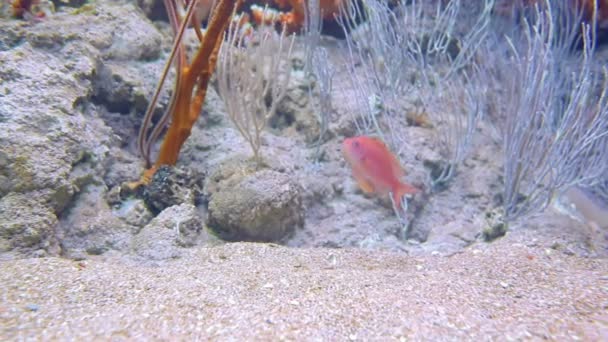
(173, 186)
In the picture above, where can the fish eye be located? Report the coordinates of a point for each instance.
(356, 143)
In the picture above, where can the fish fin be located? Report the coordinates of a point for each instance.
(366, 186)
(402, 190)
(364, 183)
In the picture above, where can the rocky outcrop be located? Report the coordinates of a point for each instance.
(53, 141)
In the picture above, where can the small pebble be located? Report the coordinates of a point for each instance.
(32, 307)
(332, 260)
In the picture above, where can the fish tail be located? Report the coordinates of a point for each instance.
(402, 190)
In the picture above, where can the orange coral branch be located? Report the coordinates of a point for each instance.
(188, 104)
(203, 81)
(188, 109)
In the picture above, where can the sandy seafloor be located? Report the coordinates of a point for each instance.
(244, 291)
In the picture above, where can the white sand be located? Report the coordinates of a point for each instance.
(255, 291)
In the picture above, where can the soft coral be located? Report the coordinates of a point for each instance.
(587, 7)
(31, 9)
(294, 19)
(190, 86)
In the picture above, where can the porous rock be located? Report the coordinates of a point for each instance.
(214, 110)
(122, 167)
(46, 142)
(134, 212)
(263, 205)
(120, 88)
(27, 227)
(154, 9)
(120, 31)
(172, 186)
(294, 111)
(49, 146)
(53, 142)
(90, 227)
(174, 228)
(11, 33)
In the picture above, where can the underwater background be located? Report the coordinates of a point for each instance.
(186, 161)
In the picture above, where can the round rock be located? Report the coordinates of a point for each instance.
(261, 206)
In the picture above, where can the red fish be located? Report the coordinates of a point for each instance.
(375, 168)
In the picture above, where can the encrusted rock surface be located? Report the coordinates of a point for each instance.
(295, 112)
(173, 229)
(27, 227)
(90, 227)
(262, 205)
(173, 186)
(60, 79)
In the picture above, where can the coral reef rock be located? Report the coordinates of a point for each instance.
(91, 227)
(264, 205)
(27, 227)
(174, 228)
(134, 212)
(294, 111)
